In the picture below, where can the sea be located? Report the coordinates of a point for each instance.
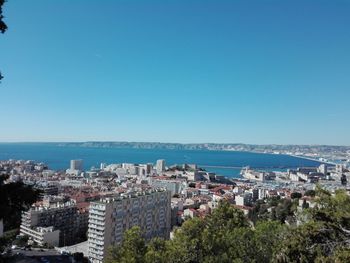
(226, 163)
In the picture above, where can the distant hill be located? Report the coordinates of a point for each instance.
(269, 148)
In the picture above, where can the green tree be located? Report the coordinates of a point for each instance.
(341, 255)
(273, 201)
(131, 250)
(227, 236)
(325, 234)
(3, 26)
(309, 242)
(15, 198)
(225, 216)
(21, 241)
(238, 246)
(295, 195)
(157, 251)
(259, 212)
(284, 209)
(311, 193)
(224, 229)
(187, 244)
(6, 239)
(332, 209)
(305, 204)
(267, 236)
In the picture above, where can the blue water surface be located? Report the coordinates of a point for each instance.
(57, 157)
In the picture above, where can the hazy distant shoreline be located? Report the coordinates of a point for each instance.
(298, 151)
(207, 146)
(172, 144)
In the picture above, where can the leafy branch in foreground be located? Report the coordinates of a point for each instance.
(14, 198)
(228, 236)
(3, 26)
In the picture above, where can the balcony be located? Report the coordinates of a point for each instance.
(96, 242)
(93, 249)
(94, 236)
(97, 232)
(95, 256)
(97, 222)
(96, 212)
(98, 207)
(96, 227)
(96, 217)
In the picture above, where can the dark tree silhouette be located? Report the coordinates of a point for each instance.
(15, 198)
(3, 26)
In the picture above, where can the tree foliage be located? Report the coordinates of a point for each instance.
(3, 26)
(326, 235)
(157, 251)
(273, 208)
(132, 249)
(295, 195)
(227, 236)
(15, 198)
(311, 193)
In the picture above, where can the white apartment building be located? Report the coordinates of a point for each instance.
(111, 217)
(76, 167)
(174, 186)
(160, 166)
(56, 217)
(243, 199)
(42, 235)
(76, 164)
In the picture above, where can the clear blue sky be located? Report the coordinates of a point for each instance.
(176, 71)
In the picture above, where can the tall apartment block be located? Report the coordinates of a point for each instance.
(76, 167)
(111, 217)
(160, 166)
(56, 221)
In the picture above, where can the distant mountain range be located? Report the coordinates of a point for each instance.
(269, 148)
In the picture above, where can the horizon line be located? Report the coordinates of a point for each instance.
(179, 143)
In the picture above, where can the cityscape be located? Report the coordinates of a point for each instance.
(87, 211)
(184, 131)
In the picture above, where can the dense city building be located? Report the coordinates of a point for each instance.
(55, 221)
(111, 217)
(92, 212)
(175, 186)
(160, 166)
(76, 167)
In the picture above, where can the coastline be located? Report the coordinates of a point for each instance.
(222, 162)
(312, 159)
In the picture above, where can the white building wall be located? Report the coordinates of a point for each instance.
(110, 218)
